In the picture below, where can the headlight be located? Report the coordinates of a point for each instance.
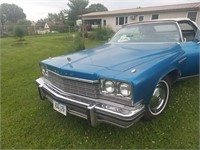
(44, 70)
(125, 89)
(121, 90)
(109, 87)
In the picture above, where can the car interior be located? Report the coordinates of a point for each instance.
(188, 31)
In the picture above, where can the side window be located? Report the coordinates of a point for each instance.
(188, 30)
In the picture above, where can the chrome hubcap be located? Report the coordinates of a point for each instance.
(159, 98)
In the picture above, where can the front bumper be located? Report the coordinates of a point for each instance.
(94, 110)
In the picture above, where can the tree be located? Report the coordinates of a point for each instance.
(53, 17)
(77, 7)
(63, 17)
(96, 8)
(57, 17)
(11, 12)
(19, 32)
(40, 24)
(25, 24)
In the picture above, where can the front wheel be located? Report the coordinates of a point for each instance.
(159, 99)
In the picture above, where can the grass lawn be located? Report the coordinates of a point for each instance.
(28, 122)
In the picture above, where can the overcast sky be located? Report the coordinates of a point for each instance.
(37, 9)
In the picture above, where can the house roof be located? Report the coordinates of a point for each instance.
(186, 6)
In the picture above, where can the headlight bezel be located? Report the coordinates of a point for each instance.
(112, 86)
(117, 93)
(128, 88)
(44, 70)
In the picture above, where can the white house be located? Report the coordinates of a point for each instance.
(46, 28)
(115, 19)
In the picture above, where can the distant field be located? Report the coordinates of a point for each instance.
(27, 122)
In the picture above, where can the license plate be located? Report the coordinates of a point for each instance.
(60, 108)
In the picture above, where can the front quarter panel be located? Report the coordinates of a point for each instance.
(147, 75)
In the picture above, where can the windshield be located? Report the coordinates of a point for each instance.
(152, 32)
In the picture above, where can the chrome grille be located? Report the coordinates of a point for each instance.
(91, 90)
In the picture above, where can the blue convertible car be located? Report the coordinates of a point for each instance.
(127, 78)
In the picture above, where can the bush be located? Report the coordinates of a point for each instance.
(78, 43)
(19, 32)
(101, 34)
(81, 34)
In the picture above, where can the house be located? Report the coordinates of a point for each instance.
(116, 18)
(45, 29)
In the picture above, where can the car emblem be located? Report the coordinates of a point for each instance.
(69, 60)
(133, 71)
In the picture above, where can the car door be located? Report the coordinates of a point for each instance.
(191, 47)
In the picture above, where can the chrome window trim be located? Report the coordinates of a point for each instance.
(74, 78)
(180, 32)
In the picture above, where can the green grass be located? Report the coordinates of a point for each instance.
(28, 122)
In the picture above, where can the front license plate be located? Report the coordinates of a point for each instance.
(60, 108)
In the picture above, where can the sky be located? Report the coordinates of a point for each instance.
(37, 9)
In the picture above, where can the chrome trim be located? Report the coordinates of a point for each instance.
(69, 60)
(186, 77)
(73, 78)
(94, 110)
(116, 93)
(182, 60)
(133, 71)
(180, 32)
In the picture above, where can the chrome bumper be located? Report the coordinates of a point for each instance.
(94, 110)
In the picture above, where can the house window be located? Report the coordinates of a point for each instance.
(104, 22)
(121, 20)
(192, 15)
(126, 20)
(117, 18)
(155, 16)
(141, 18)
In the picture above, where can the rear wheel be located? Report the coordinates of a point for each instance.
(159, 99)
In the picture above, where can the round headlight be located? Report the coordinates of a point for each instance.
(44, 70)
(125, 89)
(109, 86)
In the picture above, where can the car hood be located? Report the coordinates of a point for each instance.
(115, 57)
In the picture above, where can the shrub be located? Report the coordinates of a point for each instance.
(78, 43)
(101, 34)
(19, 32)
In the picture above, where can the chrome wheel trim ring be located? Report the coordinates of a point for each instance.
(159, 99)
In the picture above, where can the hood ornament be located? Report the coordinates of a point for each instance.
(69, 60)
(133, 71)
